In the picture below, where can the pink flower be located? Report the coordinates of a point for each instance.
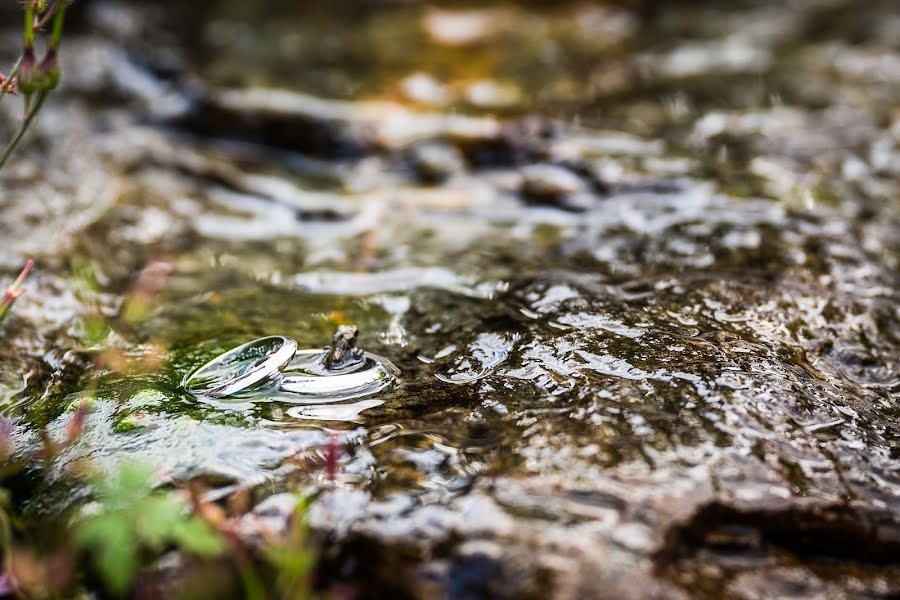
(332, 457)
(7, 584)
(13, 292)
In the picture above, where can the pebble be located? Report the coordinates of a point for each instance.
(436, 162)
(552, 184)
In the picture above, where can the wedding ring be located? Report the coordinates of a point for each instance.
(308, 376)
(239, 368)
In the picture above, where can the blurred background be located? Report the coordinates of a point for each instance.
(572, 58)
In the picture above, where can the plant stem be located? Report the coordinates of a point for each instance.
(29, 24)
(253, 586)
(10, 296)
(22, 275)
(6, 547)
(49, 14)
(56, 34)
(26, 123)
(7, 85)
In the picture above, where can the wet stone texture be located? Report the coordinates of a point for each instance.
(652, 352)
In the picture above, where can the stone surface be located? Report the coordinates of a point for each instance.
(686, 388)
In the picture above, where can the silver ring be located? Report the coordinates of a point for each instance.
(241, 367)
(304, 375)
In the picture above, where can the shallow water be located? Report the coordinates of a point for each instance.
(672, 357)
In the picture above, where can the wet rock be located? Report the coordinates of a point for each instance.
(331, 128)
(555, 185)
(425, 89)
(493, 94)
(482, 357)
(280, 118)
(271, 516)
(788, 582)
(343, 347)
(601, 144)
(691, 394)
(819, 530)
(435, 162)
(461, 27)
(733, 54)
(516, 142)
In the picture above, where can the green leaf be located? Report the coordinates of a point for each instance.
(134, 479)
(111, 536)
(118, 566)
(132, 518)
(128, 487)
(197, 536)
(156, 517)
(94, 531)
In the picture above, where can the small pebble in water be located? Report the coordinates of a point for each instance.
(555, 185)
(343, 347)
(436, 162)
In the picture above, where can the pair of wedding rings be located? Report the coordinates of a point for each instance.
(273, 364)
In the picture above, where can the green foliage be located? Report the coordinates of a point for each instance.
(293, 558)
(134, 520)
(93, 327)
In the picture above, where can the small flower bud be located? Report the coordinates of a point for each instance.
(28, 73)
(42, 77)
(49, 69)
